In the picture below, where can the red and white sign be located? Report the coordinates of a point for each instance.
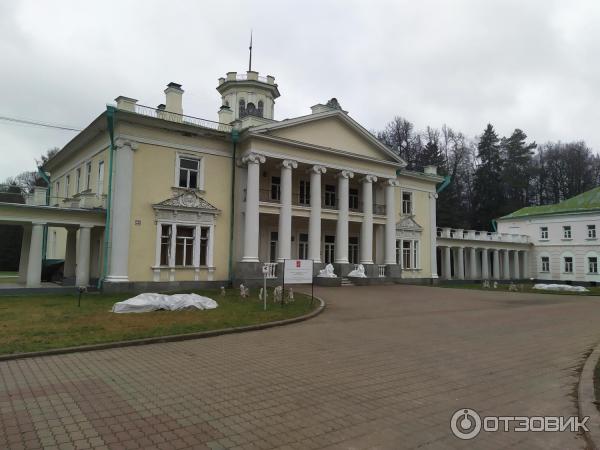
(298, 271)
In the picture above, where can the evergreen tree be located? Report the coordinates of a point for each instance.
(488, 198)
(518, 170)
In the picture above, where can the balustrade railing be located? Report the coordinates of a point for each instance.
(180, 118)
(381, 270)
(452, 233)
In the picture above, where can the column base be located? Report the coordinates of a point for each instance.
(249, 259)
(117, 279)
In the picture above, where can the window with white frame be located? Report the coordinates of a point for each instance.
(304, 198)
(100, 181)
(273, 242)
(591, 231)
(407, 253)
(353, 198)
(407, 202)
(543, 232)
(568, 264)
(67, 183)
(303, 246)
(77, 180)
(276, 188)
(567, 232)
(330, 196)
(545, 264)
(188, 172)
(592, 264)
(88, 175)
(187, 240)
(57, 189)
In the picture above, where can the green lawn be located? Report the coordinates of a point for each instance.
(40, 322)
(527, 287)
(8, 277)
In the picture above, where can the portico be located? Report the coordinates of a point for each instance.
(84, 237)
(479, 255)
(299, 209)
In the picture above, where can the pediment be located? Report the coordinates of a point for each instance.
(332, 130)
(188, 200)
(408, 223)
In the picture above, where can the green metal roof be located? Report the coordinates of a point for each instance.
(587, 202)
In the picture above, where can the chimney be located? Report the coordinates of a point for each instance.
(174, 94)
(319, 107)
(126, 103)
(225, 114)
(431, 170)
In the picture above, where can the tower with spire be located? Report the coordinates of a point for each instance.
(247, 96)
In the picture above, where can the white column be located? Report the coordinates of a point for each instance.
(251, 229)
(285, 213)
(70, 253)
(460, 266)
(517, 269)
(82, 270)
(447, 266)
(314, 222)
(525, 264)
(24, 258)
(366, 229)
(433, 233)
(390, 221)
(121, 212)
(496, 268)
(485, 264)
(341, 240)
(473, 263)
(506, 265)
(34, 261)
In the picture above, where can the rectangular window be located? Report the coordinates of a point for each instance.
(330, 196)
(407, 207)
(273, 246)
(204, 237)
(545, 264)
(568, 264)
(67, 182)
(398, 251)
(100, 182)
(77, 180)
(567, 232)
(303, 246)
(593, 264)
(353, 250)
(88, 176)
(304, 193)
(184, 246)
(353, 199)
(406, 252)
(276, 188)
(329, 249)
(591, 229)
(165, 245)
(543, 232)
(57, 190)
(415, 254)
(188, 173)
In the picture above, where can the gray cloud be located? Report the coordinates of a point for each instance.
(531, 65)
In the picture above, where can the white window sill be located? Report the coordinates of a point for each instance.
(182, 267)
(566, 239)
(591, 239)
(197, 190)
(543, 239)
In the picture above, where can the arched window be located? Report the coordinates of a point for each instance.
(251, 109)
(260, 108)
(242, 111)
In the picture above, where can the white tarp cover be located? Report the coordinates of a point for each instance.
(560, 287)
(154, 302)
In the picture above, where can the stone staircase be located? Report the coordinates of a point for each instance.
(347, 282)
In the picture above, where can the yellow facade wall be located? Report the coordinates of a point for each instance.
(153, 181)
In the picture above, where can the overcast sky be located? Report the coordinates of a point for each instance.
(529, 64)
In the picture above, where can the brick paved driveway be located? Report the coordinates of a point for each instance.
(383, 367)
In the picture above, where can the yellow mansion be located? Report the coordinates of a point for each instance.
(149, 198)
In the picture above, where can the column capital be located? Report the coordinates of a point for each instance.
(253, 158)
(37, 222)
(317, 169)
(345, 174)
(369, 179)
(122, 143)
(289, 164)
(85, 225)
(392, 182)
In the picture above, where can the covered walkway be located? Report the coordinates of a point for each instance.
(81, 224)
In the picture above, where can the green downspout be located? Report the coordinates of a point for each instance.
(235, 136)
(45, 177)
(110, 117)
(444, 185)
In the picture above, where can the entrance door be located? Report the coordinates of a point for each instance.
(353, 250)
(329, 249)
(303, 246)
